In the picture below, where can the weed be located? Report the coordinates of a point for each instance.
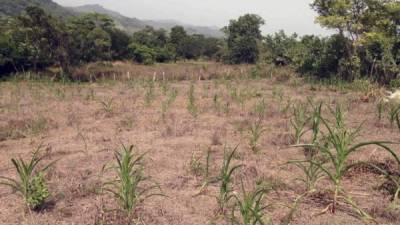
(312, 172)
(380, 110)
(36, 126)
(30, 183)
(394, 115)
(216, 102)
(394, 179)
(91, 95)
(131, 187)
(60, 94)
(195, 166)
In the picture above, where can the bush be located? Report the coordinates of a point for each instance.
(142, 54)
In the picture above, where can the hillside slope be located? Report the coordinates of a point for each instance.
(15, 7)
(134, 24)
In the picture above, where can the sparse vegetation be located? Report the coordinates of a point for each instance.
(82, 83)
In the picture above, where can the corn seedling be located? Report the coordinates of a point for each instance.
(165, 105)
(225, 178)
(260, 108)
(338, 147)
(149, 95)
(30, 183)
(316, 122)
(226, 173)
(36, 126)
(107, 106)
(205, 171)
(250, 207)
(192, 108)
(132, 186)
(299, 121)
(255, 131)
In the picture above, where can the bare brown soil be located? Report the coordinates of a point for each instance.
(72, 125)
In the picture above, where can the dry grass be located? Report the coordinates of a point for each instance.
(80, 132)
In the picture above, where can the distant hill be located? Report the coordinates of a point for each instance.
(15, 7)
(134, 24)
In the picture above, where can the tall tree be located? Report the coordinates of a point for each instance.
(91, 39)
(362, 22)
(38, 38)
(243, 36)
(178, 38)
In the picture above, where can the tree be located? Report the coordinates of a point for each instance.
(359, 20)
(243, 36)
(119, 42)
(178, 38)
(38, 39)
(91, 37)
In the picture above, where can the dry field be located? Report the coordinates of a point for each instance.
(177, 122)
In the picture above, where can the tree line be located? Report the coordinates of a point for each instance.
(366, 42)
(35, 40)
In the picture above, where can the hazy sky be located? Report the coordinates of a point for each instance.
(289, 15)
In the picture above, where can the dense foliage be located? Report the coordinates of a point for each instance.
(366, 43)
(36, 40)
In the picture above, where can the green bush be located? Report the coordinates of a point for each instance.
(142, 53)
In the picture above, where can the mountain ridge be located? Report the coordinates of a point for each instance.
(15, 7)
(134, 24)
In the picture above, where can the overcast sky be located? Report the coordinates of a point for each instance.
(289, 15)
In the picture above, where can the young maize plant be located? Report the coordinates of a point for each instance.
(224, 177)
(250, 207)
(192, 108)
(255, 131)
(299, 121)
(337, 148)
(30, 183)
(107, 106)
(131, 186)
